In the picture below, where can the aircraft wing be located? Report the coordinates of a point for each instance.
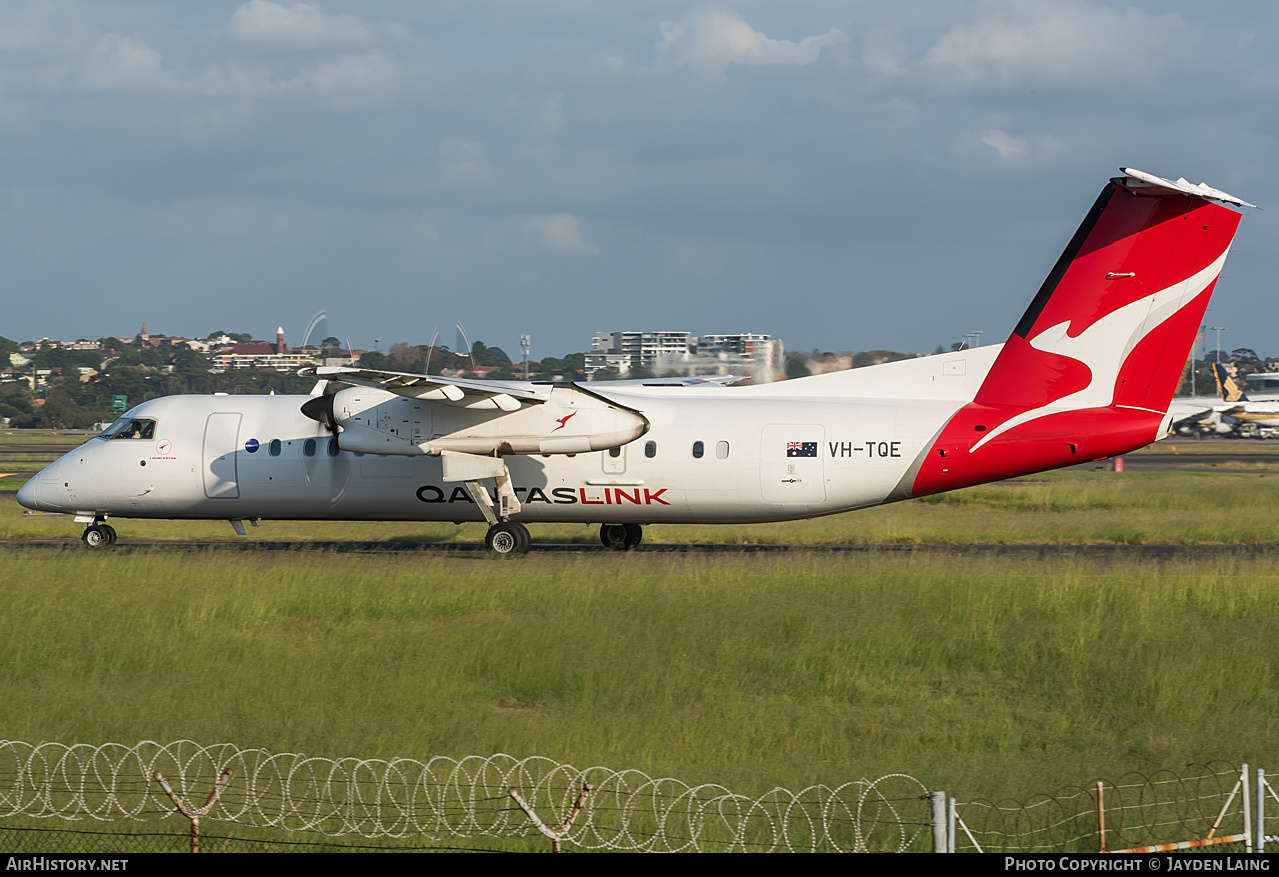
(432, 388)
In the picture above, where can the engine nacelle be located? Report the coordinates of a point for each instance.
(378, 422)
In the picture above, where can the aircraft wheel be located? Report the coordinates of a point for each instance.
(97, 536)
(618, 537)
(111, 534)
(507, 539)
(634, 535)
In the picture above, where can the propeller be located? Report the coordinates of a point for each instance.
(320, 409)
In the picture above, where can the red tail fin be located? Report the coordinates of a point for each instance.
(1090, 370)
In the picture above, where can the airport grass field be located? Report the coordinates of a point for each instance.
(984, 675)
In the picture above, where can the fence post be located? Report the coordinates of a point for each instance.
(1260, 834)
(190, 812)
(950, 825)
(937, 818)
(1101, 817)
(555, 834)
(1247, 811)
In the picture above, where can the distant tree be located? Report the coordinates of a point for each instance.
(608, 373)
(59, 411)
(373, 359)
(875, 357)
(1246, 359)
(403, 357)
(183, 357)
(796, 369)
(502, 373)
(491, 356)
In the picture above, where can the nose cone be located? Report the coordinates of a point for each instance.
(27, 493)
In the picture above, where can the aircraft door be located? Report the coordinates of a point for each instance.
(790, 463)
(221, 448)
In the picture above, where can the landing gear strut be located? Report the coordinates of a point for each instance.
(507, 539)
(98, 536)
(621, 537)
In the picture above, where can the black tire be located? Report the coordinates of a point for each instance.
(634, 535)
(96, 537)
(616, 537)
(507, 539)
(111, 534)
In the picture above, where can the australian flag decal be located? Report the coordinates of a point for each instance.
(801, 449)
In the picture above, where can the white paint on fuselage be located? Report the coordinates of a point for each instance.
(865, 447)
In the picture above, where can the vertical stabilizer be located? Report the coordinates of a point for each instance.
(1090, 370)
(1226, 385)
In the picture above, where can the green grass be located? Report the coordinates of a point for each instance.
(982, 676)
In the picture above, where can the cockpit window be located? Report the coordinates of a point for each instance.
(130, 428)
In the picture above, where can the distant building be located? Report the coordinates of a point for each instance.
(276, 356)
(1263, 382)
(663, 353)
(622, 350)
(762, 350)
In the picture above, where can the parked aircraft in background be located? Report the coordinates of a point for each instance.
(1259, 412)
(1224, 413)
(1088, 373)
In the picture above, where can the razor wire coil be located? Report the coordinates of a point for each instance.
(446, 797)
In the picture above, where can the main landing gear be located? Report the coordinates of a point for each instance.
(98, 535)
(621, 537)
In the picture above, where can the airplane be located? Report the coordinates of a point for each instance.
(1261, 411)
(1203, 414)
(1223, 413)
(1087, 373)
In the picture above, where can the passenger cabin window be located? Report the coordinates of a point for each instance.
(308, 447)
(721, 450)
(130, 428)
(615, 452)
(274, 448)
(698, 450)
(333, 447)
(650, 449)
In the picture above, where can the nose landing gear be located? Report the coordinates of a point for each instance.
(508, 539)
(98, 536)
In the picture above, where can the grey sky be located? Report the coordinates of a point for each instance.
(841, 174)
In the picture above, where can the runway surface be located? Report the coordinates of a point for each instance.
(476, 550)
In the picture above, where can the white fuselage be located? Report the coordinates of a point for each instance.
(767, 453)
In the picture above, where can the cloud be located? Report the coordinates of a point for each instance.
(1010, 148)
(1022, 45)
(349, 75)
(303, 25)
(120, 63)
(561, 232)
(713, 39)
